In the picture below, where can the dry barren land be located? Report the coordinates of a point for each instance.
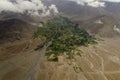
(98, 62)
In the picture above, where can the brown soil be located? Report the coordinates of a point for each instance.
(98, 62)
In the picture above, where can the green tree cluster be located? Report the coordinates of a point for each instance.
(65, 35)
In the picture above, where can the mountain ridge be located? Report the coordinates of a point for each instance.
(15, 29)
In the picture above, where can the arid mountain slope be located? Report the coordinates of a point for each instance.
(103, 26)
(79, 12)
(15, 29)
(75, 11)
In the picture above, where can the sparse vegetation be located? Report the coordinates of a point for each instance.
(66, 37)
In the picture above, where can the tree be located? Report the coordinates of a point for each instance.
(66, 37)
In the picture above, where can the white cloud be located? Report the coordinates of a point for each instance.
(31, 7)
(96, 4)
(112, 0)
(93, 3)
(8, 6)
(53, 8)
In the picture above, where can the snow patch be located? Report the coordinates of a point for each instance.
(98, 22)
(115, 28)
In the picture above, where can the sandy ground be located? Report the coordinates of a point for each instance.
(98, 62)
